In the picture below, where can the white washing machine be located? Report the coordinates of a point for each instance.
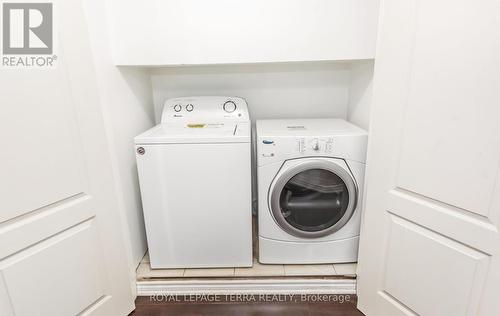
(310, 178)
(195, 179)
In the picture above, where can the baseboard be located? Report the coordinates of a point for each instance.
(247, 286)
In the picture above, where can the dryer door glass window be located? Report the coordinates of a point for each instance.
(314, 200)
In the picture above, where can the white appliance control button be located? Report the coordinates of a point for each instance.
(301, 145)
(315, 144)
(177, 108)
(329, 145)
(189, 107)
(229, 106)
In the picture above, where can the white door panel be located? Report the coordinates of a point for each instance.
(44, 223)
(61, 246)
(429, 281)
(67, 265)
(40, 148)
(102, 307)
(454, 115)
(429, 241)
(449, 221)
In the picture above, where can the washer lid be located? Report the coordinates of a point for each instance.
(213, 132)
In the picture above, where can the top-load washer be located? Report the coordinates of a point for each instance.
(195, 179)
(310, 178)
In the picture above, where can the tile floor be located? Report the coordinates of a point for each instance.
(258, 270)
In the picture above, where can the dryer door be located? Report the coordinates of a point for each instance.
(313, 197)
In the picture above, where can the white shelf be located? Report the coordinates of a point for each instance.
(196, 32)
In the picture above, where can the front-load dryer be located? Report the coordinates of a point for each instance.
(310, 179)
(195, 179)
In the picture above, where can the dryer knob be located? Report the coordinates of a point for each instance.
(315, 144)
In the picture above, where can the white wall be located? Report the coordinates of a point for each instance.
(127, 105)
(277, 90)
(360, 93)
(285, 90)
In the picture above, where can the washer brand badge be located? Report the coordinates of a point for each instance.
(28, 35)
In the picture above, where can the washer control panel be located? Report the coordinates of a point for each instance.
(205, 109)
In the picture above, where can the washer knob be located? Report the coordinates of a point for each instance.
(177, 108)
(189, 107)
(229, 106)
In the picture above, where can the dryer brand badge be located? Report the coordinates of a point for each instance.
(28, 35)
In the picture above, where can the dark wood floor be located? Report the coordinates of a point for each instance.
(250, 305)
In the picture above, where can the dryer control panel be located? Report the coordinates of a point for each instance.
(274, 149)
(319, 145)
(205, 109)
(302, 146)
(281, 140)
